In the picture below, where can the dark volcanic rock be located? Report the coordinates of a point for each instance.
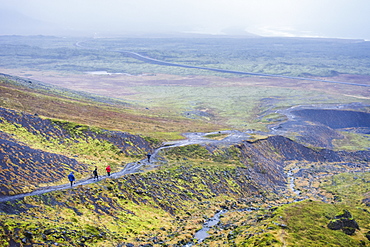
(32, 166)
(335, 119)
(265, 158)
(344, 222)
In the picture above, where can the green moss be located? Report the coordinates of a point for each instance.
(352, 188)
(189, 151)
(74, 129)
(352, 142)
(155, 142)
(217, 136)
(262, 240)
(307, 224)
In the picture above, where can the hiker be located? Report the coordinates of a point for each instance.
(95, 173)
(108, 170)
(149, 155)
(71, 178)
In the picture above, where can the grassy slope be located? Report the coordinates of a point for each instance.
(82, 110)
(38, 152)
(164, 206)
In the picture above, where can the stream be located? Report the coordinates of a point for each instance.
(203, 233)
(291, 181)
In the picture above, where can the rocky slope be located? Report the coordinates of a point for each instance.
(34, 151)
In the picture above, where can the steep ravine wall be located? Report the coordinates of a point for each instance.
(266, 158)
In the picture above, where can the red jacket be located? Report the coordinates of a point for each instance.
(107, 168)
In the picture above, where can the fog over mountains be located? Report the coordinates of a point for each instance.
(15, 23)
(283, 18)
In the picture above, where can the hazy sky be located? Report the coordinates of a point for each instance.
(317, 18)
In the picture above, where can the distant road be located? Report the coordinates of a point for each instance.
(160, 62)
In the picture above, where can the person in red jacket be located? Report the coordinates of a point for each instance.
(108, 170)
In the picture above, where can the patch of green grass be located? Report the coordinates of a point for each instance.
(349, 188)
(217, 136)
(307, 224)
(166, 135)
(190, 151)
(74, 129)
(273, 117)
(234, 106)
(352, 142)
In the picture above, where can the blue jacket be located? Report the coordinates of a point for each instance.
(71, 177)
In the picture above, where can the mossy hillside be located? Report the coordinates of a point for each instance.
(59, 147)
(307, 224)
(190, 188)
(83, 148)
(296, 224)
(352, 142)
(168, 204)
(208, 154)
(83, 216)
(303, 223)
(350, 189)
(23, 169)
(300, 223)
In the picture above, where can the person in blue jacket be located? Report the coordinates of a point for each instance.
(71, 178)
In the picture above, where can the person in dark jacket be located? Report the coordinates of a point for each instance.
(108, 170)
(71, 178)
(149, 155)
(95, 173)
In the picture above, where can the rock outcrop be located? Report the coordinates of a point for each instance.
(344, 222)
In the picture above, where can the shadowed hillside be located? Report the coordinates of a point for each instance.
(336, 119)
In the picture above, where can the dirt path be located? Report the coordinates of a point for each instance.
(232, 137)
